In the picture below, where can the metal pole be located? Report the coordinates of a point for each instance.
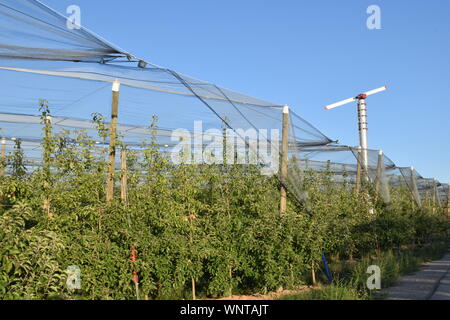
(284, 159)
(112, 141)
(362, 120)
(3, 158)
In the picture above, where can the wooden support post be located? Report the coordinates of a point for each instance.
(224, 144)
(413, 198)
(379, 173)
(3, 158)
(46, 165)
(427, 199)
(313, 275)
(284, 160)
(124, 177)
(112, 142)
(448, 199)
(230, 278)
(358, 172)
(194, 296)
(415, 192)
(435, 196)
(411, 181)
(46, 203)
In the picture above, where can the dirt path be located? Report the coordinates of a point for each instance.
(432, 282)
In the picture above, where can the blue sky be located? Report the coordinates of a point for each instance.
(307, 54)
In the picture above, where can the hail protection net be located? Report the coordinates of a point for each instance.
(42, 57)
(429, 191)
(443, 193)
(347, 169)
(411, 177)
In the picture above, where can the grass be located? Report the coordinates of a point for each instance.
(350, 277)
(336, 291)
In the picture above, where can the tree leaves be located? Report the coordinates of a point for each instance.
(217, 224)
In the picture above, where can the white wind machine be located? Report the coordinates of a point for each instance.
(362, 121)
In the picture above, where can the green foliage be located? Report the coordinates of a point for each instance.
(18, 169)
(218, 225)
(29, 264)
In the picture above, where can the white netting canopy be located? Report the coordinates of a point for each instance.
(73, 69)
